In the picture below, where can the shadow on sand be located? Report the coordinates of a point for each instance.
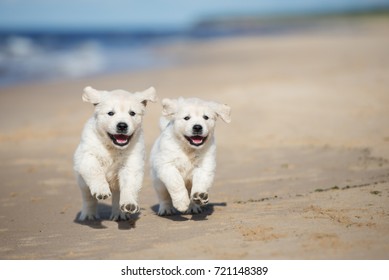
(179, 217)
(104, 211)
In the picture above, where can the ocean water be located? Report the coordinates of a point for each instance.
(49, 56)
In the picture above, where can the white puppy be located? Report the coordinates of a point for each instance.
(110, 157)
(183, 158)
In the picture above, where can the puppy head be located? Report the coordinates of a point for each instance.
(118, 113)
(194, 119)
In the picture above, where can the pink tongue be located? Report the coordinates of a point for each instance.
(197, 139)
(120, 138)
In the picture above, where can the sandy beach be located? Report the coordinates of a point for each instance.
(303, 168)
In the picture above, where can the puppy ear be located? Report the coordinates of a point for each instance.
(149, 94)
(223, 111)
(91, 95)
(169, 107)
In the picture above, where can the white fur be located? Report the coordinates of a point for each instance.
(104, 168)
(182, 173)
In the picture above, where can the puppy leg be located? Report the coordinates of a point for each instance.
(193, 207)
(117, 214)
(175, 185)
(165, 202)
(89, 203)
(91, 171)
(130, 182)
(202, 181)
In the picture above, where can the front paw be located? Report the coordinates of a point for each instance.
(200, 198)
(86, 216)
(102, 194)
(194, 209)
(166, 210)
(120, 217)
(182, 205)
(130, 208)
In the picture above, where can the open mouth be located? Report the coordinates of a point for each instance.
(120, 139)
(196, 140)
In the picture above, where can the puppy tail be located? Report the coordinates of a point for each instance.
(163, 123)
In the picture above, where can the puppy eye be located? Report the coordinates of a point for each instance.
(132, 113)
(187, 118)
(205, 117)
(111, 113)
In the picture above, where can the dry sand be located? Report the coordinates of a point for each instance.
(303, 169)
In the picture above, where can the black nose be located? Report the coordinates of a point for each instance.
(122, 127)
(197, 128)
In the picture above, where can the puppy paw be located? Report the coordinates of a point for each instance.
(166, 209)
(119, 217)
(88, 217)
(102, 194)
(182, 205)
(200, 198)
(194, 209)
(130, 208)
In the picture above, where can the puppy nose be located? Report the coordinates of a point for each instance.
(197, 128)
(121, 127)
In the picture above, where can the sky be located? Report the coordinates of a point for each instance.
(157, 14)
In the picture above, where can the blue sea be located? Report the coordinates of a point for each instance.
(47, 56)
(57, 55)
